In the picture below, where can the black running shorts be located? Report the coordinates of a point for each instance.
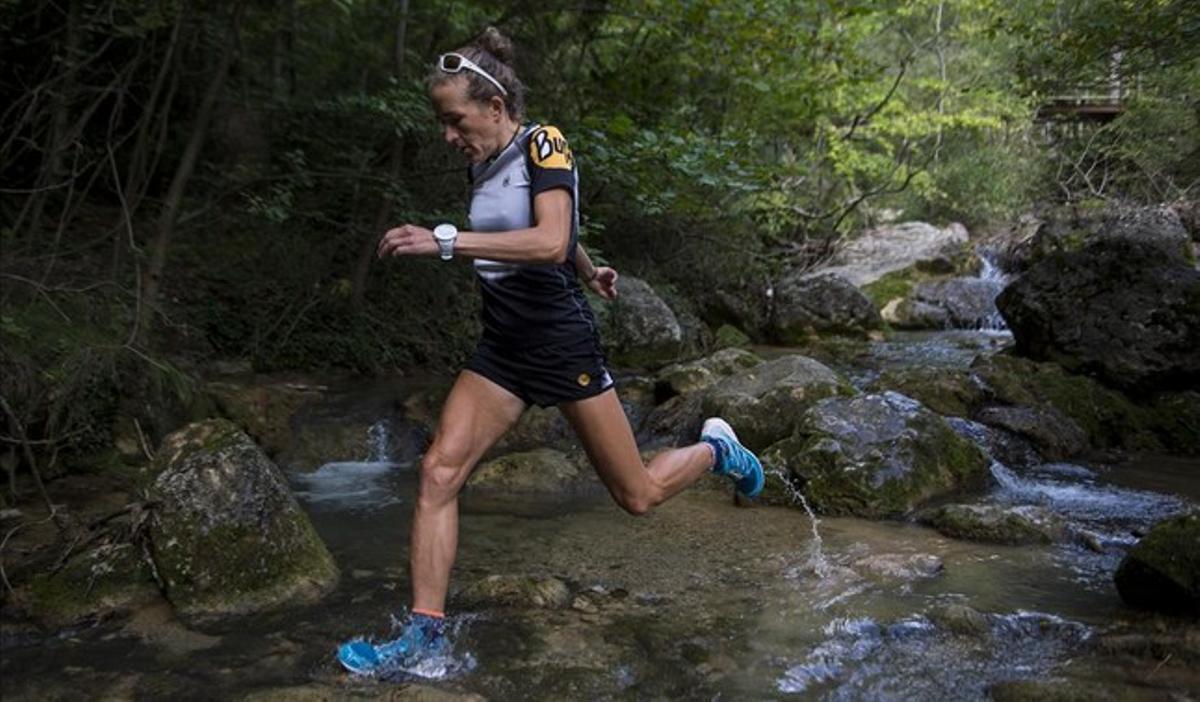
(545, 375)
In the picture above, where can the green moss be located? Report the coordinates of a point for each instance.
(988, 524)
(897, 284)
(730, 336)
(107, 578)
(952, 393)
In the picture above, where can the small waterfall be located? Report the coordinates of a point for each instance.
(379, 442)
(991, 273)
(816, 554)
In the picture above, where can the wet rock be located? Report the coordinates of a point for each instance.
(951, 392)
(263, 409)
(729, 336)
(530, 472)
(807, 305)
(879, 455)
(1121, 311)
(517, 591)
(966, 303)
(997, 524)
(959, 619)
(1109, 418)
(1162, 572)
(640, 329)
(1055, 436)
(109, 579)
(896, 247)
(684, 378)
(229, 537)
(158, 626)
(764, 403)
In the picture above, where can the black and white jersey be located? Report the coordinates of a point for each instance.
(528, 305)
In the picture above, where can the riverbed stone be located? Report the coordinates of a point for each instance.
(997, 524)
(683, 378)
(959, 619)
(1119, 310)
(765, 403)
(538, 427)
(541, 471)
(317, 692)
(229, 537)
(807, 305)
(675, 422)
(1162, 572)
(516, 591)
(879, 455)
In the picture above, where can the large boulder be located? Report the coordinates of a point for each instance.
(640, 328)
(766, 402)
(228, 535)
(807, 305)
(878, 455)
(1162, 572)
(1074, 228)
(1055, 436)
(1120, 310)
(896, 247)
(263, 408)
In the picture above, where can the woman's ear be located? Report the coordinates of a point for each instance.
(497, 105)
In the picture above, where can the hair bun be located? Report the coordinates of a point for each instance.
(496, 44)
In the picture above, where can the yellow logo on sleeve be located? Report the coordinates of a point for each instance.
(549, 149)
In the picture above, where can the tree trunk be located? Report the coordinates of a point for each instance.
(183, 173)
(366, 252)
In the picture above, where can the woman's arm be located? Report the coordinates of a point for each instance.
(601, 279)
(544, 242)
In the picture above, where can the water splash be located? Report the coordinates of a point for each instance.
(816, 553)
(451, 663)
(347, 484)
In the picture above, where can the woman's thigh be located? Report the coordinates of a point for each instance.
(603, 429)
(476, 414)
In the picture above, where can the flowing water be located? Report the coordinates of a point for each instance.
(701, 599)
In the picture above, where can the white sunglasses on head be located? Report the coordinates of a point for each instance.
(456, 63)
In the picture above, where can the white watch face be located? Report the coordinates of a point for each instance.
(445, 232)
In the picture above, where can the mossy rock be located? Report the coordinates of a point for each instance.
(959, 619)
(951, 392)
(897, 285)
(263, 410)
(1107, 417)
(996, 524)
(729, 336)
(229, 537)
(683, 378)
(764, 403)
(878, 456)
(107, 580)
(1162, 572)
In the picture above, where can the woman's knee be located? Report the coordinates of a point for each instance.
(442, 475)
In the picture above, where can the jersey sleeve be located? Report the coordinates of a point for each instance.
(551, 164)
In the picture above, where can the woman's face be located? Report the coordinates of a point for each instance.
(472, 127)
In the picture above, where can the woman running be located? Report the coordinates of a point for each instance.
(540, 343)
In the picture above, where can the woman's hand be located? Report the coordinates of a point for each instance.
(604, 283)
(408, 240)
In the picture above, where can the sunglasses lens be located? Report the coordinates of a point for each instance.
(451, 63)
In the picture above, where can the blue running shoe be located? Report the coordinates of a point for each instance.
(421, 637)
(733, 459)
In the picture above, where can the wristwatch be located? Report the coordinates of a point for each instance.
(445, 234)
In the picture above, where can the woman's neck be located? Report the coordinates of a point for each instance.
(506, 131)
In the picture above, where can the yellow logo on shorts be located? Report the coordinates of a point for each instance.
(585, 379)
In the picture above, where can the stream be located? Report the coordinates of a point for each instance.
(700, 599)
